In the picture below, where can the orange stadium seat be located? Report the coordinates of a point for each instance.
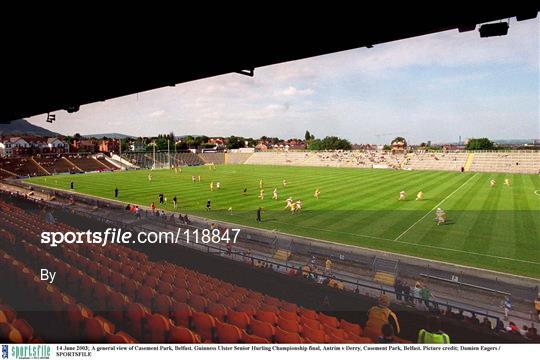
(351, 328)
(289, 325)
(262, 329)
(162, 304)
(198, 302)
(204, 324)
(289, 315)
(9, 334)
(156, 326)
(266, 316)
(27, 332)
(227, 333)
(314, 324)
(308, 313)
(314, 335)
(328, 320)
(239, 319)
(218, 311)
(286, 337)
(182, 335)
(181, 313)
(119, 338)
(181, 294)
(253, 339)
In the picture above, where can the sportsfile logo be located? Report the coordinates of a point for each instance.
(29, 352)
(5, 352)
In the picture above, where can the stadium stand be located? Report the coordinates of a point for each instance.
(236, 158)
(84, 270)
(509, 162)
(213, 158)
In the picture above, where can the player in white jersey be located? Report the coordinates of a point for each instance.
(507, 182)
(420, 196)
(211, 186)
(440, 216)
(492, 183)
(193, 178)
(260, 184)
(402, 195)
(199, 178)
(218, 185)
(261, 194)
(275, 194)
(298, 205)
(149, 177)
(317, 193)
(289, 203)
(284, 183)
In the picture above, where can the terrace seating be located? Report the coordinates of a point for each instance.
(198, 308)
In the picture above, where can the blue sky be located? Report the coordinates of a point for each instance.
(434, 87)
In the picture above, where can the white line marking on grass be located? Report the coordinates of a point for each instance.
(435, 207)
(537, 192)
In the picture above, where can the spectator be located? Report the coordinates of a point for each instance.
(426, 295)
(537, 306)
(398, 288)
(433, 333)
(417, 292)
(407, 291)
(387, 336)
(381, 314)
(507, 306)
(486, 323)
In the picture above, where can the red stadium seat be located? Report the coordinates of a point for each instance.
(204, 324)
(239, 319)
(314, 324)
(182, 313)
(218, 311)
(248, 309)
(289, 325)
(156, 326)
(285, 337)
(328, 320)
(162, 304)
(27, 332)
(92, 330)
(198, 302)
(9, 334)
(262, 329)
(181, 294)
(266, 316)
(227, 333)
(314, 335)
(119, 338)
(133, 319)
(182, 335)
(253, 339)
(145, 295)
(351, 328)
(289, 315)
(308, 313)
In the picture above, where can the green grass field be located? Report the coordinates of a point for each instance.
(494, 228)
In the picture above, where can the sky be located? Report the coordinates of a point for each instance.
(431, 88)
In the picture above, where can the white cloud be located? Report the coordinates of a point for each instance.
(157, 113)
(293, 91)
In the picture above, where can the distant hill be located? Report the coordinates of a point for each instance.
(23, 127)
(110, 135)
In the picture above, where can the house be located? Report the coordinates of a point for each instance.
(84, 145)
(56, 146)
(15, 146)
(109, 145)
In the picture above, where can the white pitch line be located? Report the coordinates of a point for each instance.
(435, 207)
(537, 192)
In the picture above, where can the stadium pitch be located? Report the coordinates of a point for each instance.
(495, 228)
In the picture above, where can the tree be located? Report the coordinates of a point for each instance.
(399, 139)
(387, 147)
(235, 142)
(307, 136)
(480, 144)
(330, 143)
